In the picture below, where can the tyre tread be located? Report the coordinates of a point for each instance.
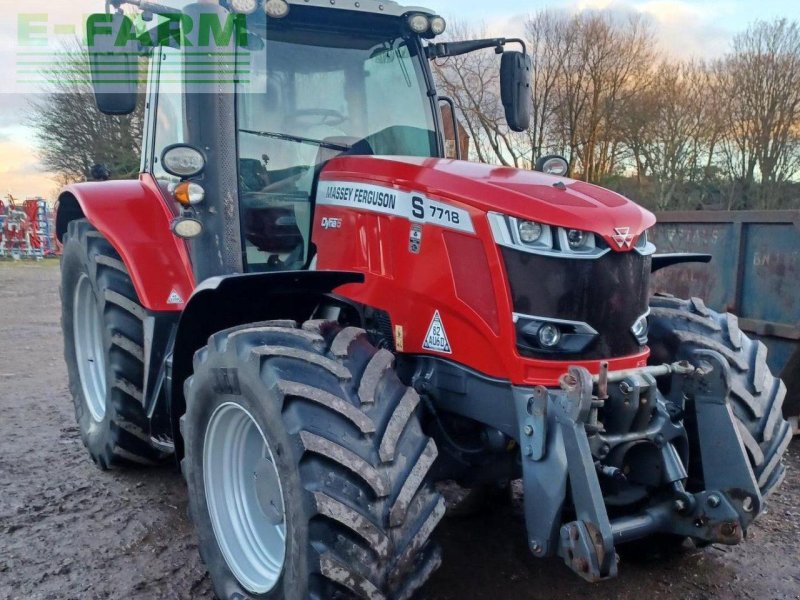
(756, 395)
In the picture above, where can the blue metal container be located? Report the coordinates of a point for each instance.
(755, 274)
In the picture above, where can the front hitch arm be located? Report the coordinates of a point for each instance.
(587, 544)
(556, 432)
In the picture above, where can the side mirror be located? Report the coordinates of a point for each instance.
(515, 89)
(114, 67)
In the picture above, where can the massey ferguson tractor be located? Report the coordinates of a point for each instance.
(320, 316)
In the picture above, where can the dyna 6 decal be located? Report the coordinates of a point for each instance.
(389, 201)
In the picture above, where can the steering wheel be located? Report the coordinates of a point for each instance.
(327, 116)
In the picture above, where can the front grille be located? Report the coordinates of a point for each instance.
(608, 293)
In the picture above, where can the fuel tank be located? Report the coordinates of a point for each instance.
(421, 230)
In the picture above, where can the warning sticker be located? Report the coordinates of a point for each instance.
(436, 339)
(174, 298)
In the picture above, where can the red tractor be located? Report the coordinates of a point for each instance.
(319, 316)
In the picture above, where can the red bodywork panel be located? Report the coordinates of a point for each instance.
(135, 219)
(458, 271)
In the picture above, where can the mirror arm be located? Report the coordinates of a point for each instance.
(519, 41)
(447, 49)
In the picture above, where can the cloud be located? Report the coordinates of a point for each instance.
(683, 29)
(20, 170)
(687, 30)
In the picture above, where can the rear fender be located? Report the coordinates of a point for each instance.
(220, 303)
(134, 218)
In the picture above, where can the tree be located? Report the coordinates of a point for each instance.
(544, 32)
(603, 60)
(760, 80)
(72, 135)
(668, 126)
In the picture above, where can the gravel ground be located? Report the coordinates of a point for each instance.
(68, 530)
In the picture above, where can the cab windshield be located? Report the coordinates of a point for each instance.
(312, 94)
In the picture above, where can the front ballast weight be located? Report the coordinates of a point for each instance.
(621, 445)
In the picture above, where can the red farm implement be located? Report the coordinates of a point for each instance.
(26, 230)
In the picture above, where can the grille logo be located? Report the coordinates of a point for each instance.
(623, 237)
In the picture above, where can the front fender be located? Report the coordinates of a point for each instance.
(662, 261)
(134, 218)
(220, 303)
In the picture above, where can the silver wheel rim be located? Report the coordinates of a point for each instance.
(245, 498)
(88, 333)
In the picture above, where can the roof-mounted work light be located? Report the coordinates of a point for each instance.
(277, 9)
(418, 23)
(245, 7)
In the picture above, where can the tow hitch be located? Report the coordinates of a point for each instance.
(619, 442)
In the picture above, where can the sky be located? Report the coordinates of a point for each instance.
(684, 29)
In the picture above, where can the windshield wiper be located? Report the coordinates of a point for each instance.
(296, 138)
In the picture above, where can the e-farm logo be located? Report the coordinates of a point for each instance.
(111, 51)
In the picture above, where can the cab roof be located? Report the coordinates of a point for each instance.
(384, 7)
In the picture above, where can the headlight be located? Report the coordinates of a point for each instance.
(576, 242)
(540, 238)
(186, 227)
(549, 336)
(530, 232)
(576, 238)
(183, 160)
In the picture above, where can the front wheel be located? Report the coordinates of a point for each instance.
(679, 327)
(307, 466)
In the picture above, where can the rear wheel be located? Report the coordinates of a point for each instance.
(307, 466)
(103, 346)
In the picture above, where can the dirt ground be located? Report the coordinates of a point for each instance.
(68, 530)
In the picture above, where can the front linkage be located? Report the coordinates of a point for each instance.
(621, 443)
